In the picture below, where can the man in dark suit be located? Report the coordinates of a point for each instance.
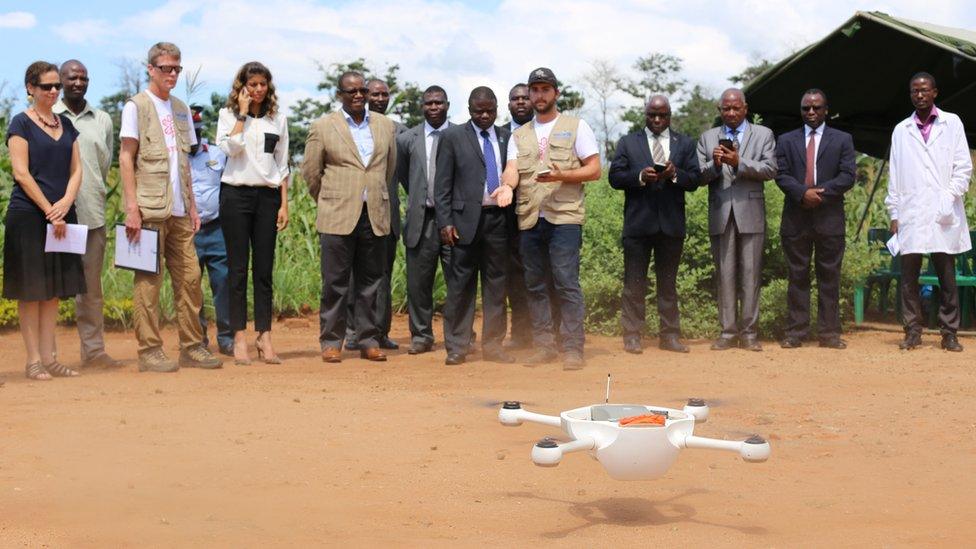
(521, 111)
(469, 168)
(416, 153)
(378, 100)
(815, 167)
(654, 167)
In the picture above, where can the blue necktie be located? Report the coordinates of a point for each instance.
(491, 168)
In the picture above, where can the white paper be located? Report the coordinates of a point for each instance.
(893, 246)
(74, 242)
(142, 255)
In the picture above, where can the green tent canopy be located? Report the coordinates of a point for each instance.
(864, 67)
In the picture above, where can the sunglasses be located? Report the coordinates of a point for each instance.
(169, 69)
(806, 108)
(49, 87)
(354, 91)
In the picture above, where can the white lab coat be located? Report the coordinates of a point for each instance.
(926, 185)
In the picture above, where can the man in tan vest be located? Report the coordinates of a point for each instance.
(350, 157)
(553, 156)
(156, 136)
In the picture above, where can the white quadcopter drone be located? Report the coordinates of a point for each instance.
(629, 451)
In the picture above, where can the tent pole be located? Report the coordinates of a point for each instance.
(874, 189)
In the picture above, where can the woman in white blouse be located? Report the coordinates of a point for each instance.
(253, 200)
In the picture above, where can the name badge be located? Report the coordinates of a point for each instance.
(561, 134)
(212, 163)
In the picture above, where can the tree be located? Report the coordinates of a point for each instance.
(697, 113)
(758, 66)
(569, 100)
(602, 82)
(303, 113)
(405, 97)
(658, 73)
(132, 78)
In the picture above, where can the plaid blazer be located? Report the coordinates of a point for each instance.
(336, 176)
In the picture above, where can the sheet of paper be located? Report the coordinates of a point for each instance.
(74, 242)
(139, 256)
(893, 246)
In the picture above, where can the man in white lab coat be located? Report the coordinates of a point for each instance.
(928, 175)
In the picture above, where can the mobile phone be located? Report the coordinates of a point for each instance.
(727, 143)
(659, 168)
(546, 171)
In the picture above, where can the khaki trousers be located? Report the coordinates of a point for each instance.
(177, 250)
(88, 306)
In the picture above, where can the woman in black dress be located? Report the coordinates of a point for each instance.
(47, 170)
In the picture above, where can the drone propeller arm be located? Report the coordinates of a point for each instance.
(548, 452)
(516, 416)
(753, 449)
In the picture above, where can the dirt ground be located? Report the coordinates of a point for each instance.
(870, 447)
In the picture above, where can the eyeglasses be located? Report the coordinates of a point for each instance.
(354, 91)
(169, 69)
(49, 87)
(807, 108)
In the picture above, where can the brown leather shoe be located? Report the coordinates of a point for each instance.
(331, 354)
(373, 353)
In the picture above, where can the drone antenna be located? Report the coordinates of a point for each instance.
(607, 401)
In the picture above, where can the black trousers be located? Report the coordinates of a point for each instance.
(384, 301)
(487, 254)
(249, 221)
(516, 293)
(637, 256)
(911, 302)
(422, 262)
(827, 253)
(364, 252)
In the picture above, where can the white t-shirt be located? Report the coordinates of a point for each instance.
(585, 147)
(164, 109)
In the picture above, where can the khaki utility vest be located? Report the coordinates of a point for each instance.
(154, 193)
(559, 203)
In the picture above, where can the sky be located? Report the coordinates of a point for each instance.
(456, 44)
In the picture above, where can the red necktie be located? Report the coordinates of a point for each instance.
(811, 159)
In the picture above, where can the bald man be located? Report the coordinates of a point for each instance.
(736, 159)
(96, 142)
(654, 167)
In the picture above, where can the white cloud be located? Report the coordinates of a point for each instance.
(459, 47)
(17, 20)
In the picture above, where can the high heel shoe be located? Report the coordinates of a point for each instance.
(262, 356)
(242, 361)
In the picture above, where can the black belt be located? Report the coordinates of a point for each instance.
(210, 223)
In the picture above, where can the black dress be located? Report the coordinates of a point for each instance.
(29, 273)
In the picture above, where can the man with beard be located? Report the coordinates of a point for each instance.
(473, 223)
(928, 176)
(95, 144)
(550, 159)
(416, 169)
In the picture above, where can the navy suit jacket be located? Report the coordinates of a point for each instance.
(836, 171)
(459, 184)
(656, 207)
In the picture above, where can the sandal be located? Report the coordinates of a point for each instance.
(36, 371)
(57, 369)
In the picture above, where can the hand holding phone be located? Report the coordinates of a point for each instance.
(727, 143)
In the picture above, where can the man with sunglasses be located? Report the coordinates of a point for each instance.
(157, 134)
(815, 167)
(96, 142)
(378, 100)
(350, 158)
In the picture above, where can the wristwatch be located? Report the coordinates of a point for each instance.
(240, 117)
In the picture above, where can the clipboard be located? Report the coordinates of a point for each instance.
(143, 256)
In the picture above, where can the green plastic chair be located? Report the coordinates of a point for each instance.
(965, 281)
(882, 277)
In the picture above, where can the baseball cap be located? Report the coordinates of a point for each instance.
(542, 74)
